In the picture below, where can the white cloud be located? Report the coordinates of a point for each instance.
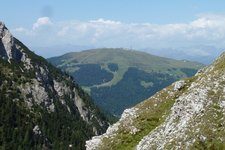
(43, 21)
(107, 22)
(20, 29)
(24, 31)
(205, 29)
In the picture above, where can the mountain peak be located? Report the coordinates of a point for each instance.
(2, 25)
(8, 48)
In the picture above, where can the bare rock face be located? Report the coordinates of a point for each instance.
(179, 85)
(8, 49)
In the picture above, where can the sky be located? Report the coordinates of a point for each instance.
(136, 24)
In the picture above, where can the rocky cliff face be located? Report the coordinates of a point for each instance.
(189, 114)
(7, 43)
(53, 102)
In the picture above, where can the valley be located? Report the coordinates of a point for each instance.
(112, 75)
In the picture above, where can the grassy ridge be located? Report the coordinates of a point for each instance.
(124, 59)
(120, 92)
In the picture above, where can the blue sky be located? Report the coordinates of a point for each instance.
(139, 24)
(25, 12)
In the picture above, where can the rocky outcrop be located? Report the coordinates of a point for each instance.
(8, 48)
(125, 120)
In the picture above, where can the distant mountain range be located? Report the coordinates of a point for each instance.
(204, 54)
(41, 107)
(57, 50)
(200, 53)
(118, 78)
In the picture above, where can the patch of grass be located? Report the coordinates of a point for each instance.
(118, 76)
(208, 145)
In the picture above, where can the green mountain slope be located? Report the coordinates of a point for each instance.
(119, 78)
(189, 114)
(41, 107)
